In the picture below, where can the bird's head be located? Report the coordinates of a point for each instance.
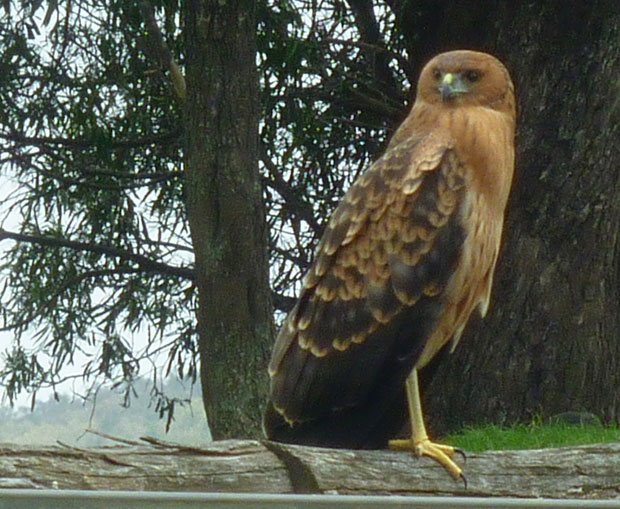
(459, 78)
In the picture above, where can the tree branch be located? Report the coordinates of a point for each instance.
(403, 62)
(139, 180)
(161, 51)
(370, 33)
(295, 204)
(154, 177)
(85, 143)
(282, 302)
(146, 264)
(355, 100)
(51, 300)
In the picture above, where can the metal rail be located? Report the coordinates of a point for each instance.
(45, 499)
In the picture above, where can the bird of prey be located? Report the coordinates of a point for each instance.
(407, 256)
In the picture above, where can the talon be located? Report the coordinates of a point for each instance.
(464, 479)
(442, 454)
(463, 455)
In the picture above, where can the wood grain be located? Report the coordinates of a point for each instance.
(246, 466)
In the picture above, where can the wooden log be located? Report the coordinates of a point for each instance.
(247, 466)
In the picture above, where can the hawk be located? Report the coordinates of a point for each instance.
(407, 256)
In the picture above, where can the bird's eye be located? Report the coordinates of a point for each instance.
(436, 73)
(472, 76)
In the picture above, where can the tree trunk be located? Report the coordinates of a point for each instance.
(224, 205)
(551, 341)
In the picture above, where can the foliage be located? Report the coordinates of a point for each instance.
(91, 157)
(329, 100)
(93, 214)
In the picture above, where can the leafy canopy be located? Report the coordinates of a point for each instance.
(97, 273)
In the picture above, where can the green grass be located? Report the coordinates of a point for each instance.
(535, 435)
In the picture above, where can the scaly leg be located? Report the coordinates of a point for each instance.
(419, 442)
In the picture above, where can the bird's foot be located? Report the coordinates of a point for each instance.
(442, 454)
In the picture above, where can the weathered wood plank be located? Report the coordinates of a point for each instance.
(227, 466)
(581, 472)
(245, 466)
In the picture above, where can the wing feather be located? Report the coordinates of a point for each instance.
(374, 292)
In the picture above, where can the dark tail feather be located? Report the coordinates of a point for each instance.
(356, 428)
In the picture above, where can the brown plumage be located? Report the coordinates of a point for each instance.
(407, 256)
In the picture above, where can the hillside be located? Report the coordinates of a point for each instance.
(68, 419)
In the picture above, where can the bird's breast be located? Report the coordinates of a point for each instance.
(470, 284)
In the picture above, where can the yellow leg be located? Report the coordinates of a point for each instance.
(419, 442)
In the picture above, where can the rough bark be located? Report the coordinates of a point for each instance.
(550, 343)
(224, 204)
(585, 472)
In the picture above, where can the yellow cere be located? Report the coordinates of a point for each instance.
(448, 78)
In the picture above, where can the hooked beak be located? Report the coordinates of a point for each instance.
(451, 85)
